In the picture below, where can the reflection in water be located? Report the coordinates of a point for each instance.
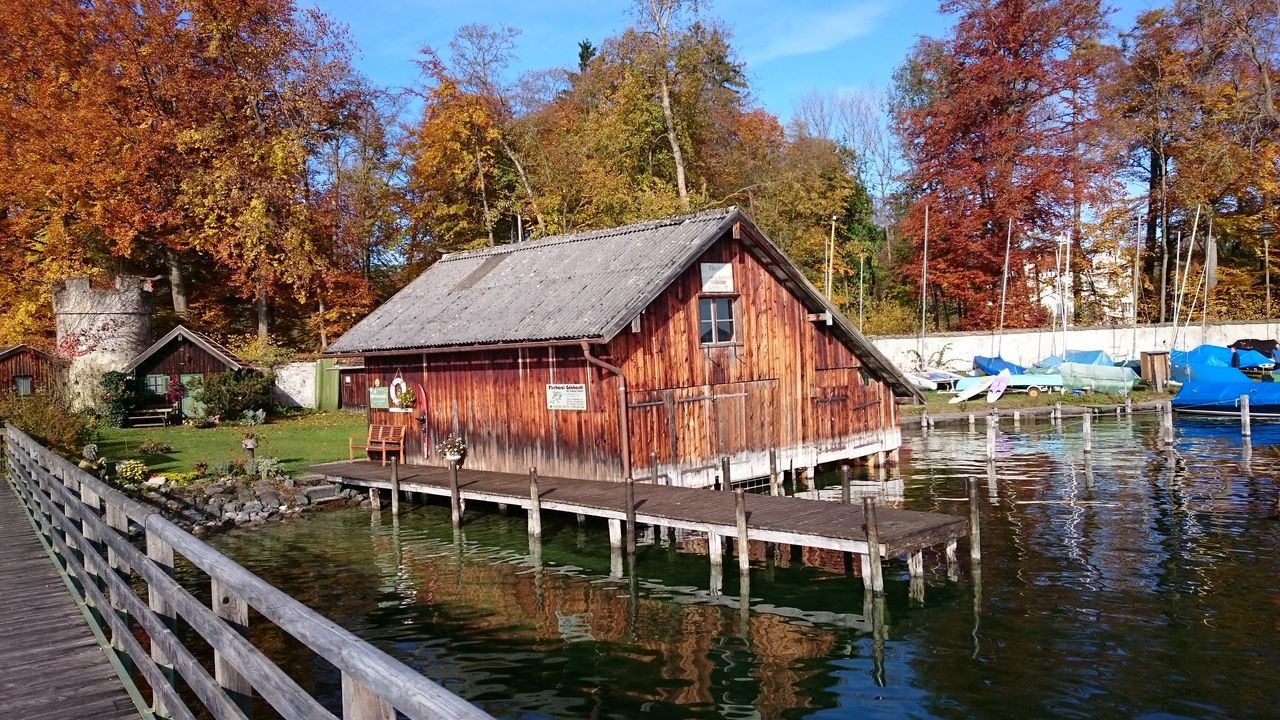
(1133, 580)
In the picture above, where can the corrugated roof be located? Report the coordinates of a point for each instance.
(566, 287)
(572, 287)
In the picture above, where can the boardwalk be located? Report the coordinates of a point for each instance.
(770, 519)
(51, 665)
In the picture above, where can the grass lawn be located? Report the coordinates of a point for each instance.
(297, 441)
(939, 403)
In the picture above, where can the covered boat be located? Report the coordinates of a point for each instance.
(1087, 357)
(993, 365)
(1097, 378)
(1253, 360)
(1031, 384)
(1223, 398)
(1210, 363)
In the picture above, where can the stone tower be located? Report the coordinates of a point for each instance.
(100, 329)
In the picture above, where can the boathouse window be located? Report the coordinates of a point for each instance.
(22, 385)
(715, 319)
(157, 385)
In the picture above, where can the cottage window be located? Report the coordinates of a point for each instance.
(715, 320)
(22, 385)
(157, 385)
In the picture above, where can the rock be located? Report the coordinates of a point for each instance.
(244, 494)
(232, 507)
(300, 499)
(200, 531)
(289, 482)
(216, 503)
(216, 489)
(253, 506)
(269, 500)
(263, 487)
(366, 504)
(155, 482)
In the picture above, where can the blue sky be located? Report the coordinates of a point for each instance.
(790, 46)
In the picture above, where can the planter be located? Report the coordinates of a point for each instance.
(249, 444)
(400, 410)
(452, 457)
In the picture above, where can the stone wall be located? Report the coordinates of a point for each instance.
(100, 329)
(1024, 347)
(296, 385)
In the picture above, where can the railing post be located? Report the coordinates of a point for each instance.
(235, 612)
(359, 702)
(119, 521)
(161, 555)
(845, 490)
(92, 505)
(395, 486)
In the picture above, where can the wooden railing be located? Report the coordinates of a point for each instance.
(90, 525)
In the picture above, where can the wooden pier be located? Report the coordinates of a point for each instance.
(784, 520)
(51, 664)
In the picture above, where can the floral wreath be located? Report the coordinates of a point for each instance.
(397, 386)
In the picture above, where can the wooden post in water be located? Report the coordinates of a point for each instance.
(991, 443)
(725, 483)
(631, 516)
(535, 506)
(845, 491)
(375, 498)
(455, 496)
(1245, 430)
(972, 423)
(1057, 412)
(744, 554)
(1088, 432)
(395, 486)
(1017, 419)
(1166, 422)
(1128, 405)
(775, 488)
(975, 532)
(924, 420)
(872, 530)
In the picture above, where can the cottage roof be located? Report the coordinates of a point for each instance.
(210, 346)
(8, 350)
(581, 286)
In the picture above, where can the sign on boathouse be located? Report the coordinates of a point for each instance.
(566, 397)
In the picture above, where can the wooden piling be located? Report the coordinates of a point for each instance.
(1245, 429)
(991, 442)
(1057, 412)
(395, 486)
(975, 533)
(631, 516)
(535, 505)
(1166, 422)
(845, 490)
(744, 551)
(1017, 419)
(775, 488)
(455, 496)
(872, 530)
(1088, 432)
(615, 534)
(726, 484)
(1128, 406)
(972, 422)
(375, 498)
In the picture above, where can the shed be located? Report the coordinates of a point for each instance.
(183, 355)
(23, 369)
(353, 387)
(652, 350)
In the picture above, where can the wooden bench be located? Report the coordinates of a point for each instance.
(382, 439)
(150, 417)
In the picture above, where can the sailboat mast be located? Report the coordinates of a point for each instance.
(1004, 285)
(924, 281)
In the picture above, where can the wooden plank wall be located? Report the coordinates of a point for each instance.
(27, 361)
(179, 358)
(496, 400)
(353, 394)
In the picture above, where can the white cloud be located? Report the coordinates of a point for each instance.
(771, 30)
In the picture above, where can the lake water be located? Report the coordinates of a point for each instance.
(1137, 583)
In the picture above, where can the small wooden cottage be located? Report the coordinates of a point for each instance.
(183, 355)
(652, 349)
(24, 369)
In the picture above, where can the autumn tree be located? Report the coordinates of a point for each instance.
(992, 122)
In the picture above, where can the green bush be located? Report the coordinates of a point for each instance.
(132, 472)
(47, 416)
(228, 395)
(118, 398)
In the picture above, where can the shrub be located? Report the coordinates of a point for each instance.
(201, 469)
(253, 417)
(267, 468)
(229, 394)
(200, 423)
(182, 478)
(261, 353)
(118, 398)
(47, 416)
(132, 472)
(154, 447)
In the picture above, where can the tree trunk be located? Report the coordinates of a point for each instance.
(524, 181)
(263, 314)
(177, 282)
(670, 119)
(324, 337)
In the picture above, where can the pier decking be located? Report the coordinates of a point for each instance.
(51, 665)
(789, 520)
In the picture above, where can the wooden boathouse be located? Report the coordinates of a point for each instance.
(652, 350)
(24, 369)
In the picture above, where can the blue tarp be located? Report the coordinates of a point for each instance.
(1088, 357)
(1252, 359)
(1224, 397)
(1050, 362)
(993, 366)
(1207, 362)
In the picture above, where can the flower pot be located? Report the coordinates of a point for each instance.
(249, 443)
(452, 457)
